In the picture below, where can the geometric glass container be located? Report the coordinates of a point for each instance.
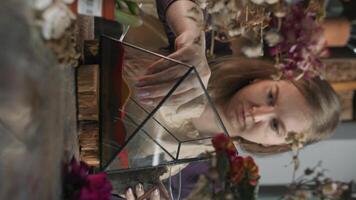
(137, 136)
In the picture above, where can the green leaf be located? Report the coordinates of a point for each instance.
(133, 7)
(127, 19)
(248, 192)
(223, 165)
(119, 4)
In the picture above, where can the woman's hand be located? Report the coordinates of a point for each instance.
(140, 193)
(161, 76)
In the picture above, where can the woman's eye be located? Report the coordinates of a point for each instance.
(270, 98)
(274, 125)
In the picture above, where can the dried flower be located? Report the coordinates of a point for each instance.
(253, 51)
(56, 19)
(280, 13)
(296, 140)
(272, 37)
(272, 1)
(258, 2)
(302, 45)
(328, 189)
(41, 4)
(202, 3)
(303, 194)
(236, 32)
(216, 6)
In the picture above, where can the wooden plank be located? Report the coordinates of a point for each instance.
(88, 92)
(91, 52)
(89, 142)
(344, 86)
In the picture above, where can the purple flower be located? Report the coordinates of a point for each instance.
(78, 184)
(98, 188)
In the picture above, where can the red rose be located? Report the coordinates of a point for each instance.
(223, 143)
(237, 169)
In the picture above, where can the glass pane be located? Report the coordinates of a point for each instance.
(134, 156)
(195, 149)
(109, 147)
(135, 133)
(189, 115)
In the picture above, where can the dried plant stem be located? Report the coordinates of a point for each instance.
(247, 13)
(296, 166)
(212, 44)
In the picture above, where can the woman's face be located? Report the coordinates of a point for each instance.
(265, 111)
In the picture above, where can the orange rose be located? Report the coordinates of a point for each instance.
(252, 170)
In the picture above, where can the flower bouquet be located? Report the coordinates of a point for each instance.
(230, 176)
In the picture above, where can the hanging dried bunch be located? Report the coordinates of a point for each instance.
(65, 48)
(297, 42)
(56, 23)
(228, 19)
(314, 184)
(291, 31)
(54, 17)
(235, 18)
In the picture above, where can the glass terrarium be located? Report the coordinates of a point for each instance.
(138, 136)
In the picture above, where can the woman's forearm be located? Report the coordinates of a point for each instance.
(177, 17)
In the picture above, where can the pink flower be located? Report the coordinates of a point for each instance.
(99, 186)
(78, 184)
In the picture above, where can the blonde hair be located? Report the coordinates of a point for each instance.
(229, 75)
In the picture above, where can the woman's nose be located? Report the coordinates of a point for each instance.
(262, 113)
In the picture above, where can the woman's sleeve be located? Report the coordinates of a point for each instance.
(162, 6)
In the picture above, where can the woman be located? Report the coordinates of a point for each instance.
(254, 108)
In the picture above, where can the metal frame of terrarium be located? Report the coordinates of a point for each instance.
(190, 69)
